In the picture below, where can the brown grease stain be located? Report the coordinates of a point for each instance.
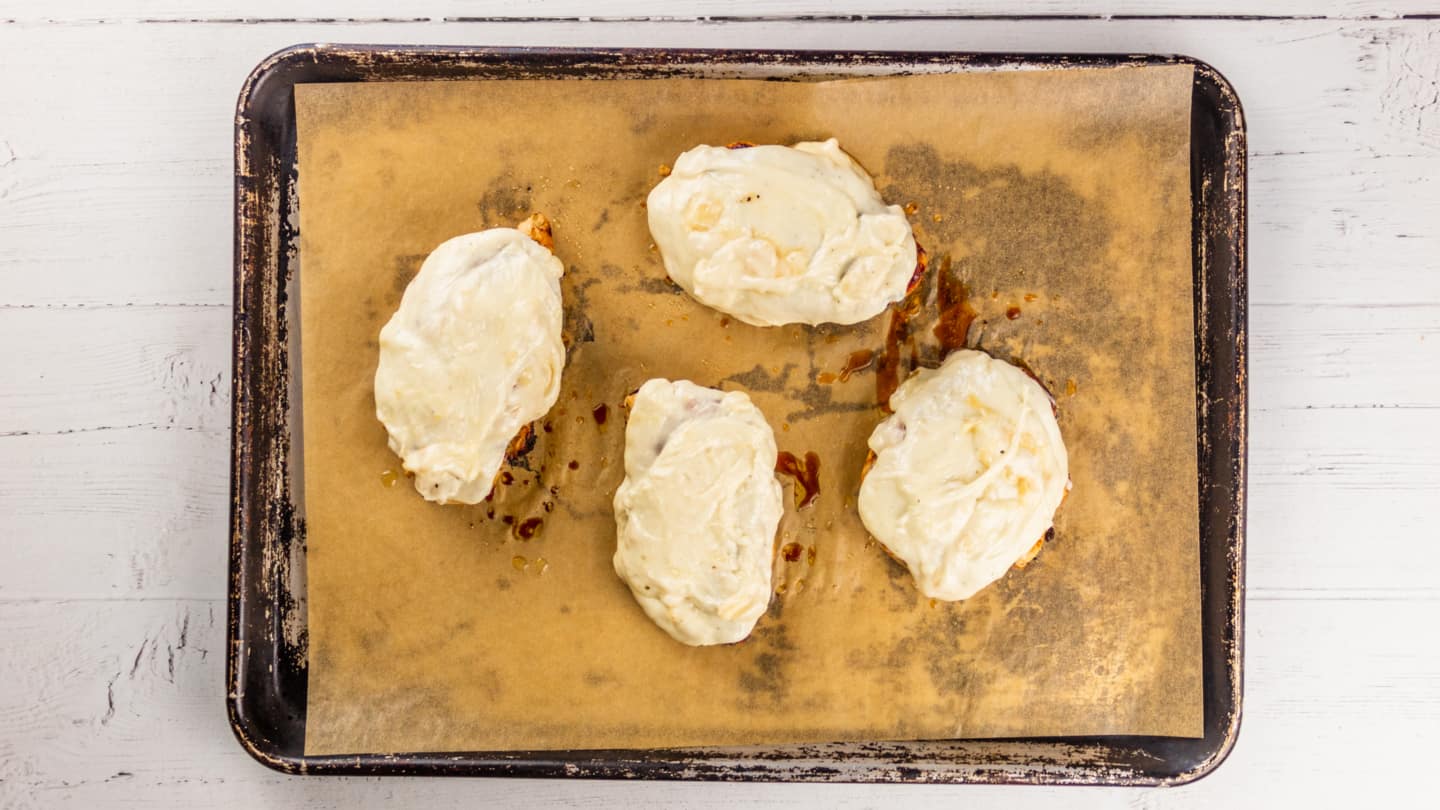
(858, 361)
(791, 552)
(601, 412)
(887, 371)
(1012, 313)
(956, 314)
(806, 474)
(527, 528)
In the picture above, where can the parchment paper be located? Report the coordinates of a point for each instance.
(1059, 198)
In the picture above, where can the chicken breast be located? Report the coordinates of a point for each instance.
(697, 512)
(471, 357)
(967, 473)
(778, 234)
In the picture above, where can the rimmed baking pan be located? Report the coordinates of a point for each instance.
(266, 670)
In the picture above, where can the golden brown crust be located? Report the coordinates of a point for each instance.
(521, 444)
(1031, 554)
(922, 262)
(537, 227)
(869, 462)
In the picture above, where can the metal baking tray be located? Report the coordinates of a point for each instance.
(266, 668)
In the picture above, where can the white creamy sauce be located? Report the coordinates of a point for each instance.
(776, 234)
(697, 512)
(472, 355)
(968, 473)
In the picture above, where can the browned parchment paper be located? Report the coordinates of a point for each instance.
(1059, 198)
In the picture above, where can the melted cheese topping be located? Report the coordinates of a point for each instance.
(968, 473)
(472, 355)
(776, 234)
(698, 510)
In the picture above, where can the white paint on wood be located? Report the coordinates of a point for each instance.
(114, 513)
(126, 711)
(115, 275)
(428, 11)
(123, 197)
(89, 369)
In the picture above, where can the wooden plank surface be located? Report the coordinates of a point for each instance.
(69, 11)
(126, 712)
(115, 272)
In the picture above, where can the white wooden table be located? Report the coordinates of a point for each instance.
(115, 274)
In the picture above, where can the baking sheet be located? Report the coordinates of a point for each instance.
(1061, 194)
